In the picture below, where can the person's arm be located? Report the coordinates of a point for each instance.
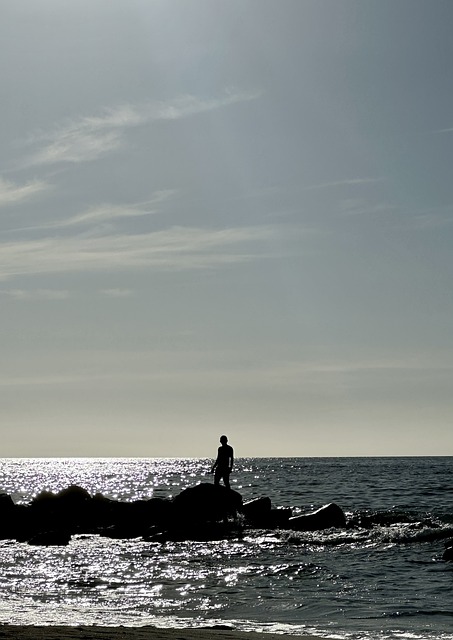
(215, 464)
(231, 459)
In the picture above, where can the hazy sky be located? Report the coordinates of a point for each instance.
(226, 216)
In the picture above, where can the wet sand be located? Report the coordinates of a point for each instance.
(13, 632)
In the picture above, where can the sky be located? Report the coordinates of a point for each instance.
(226, 216)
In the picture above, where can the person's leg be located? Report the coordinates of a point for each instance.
(217, 477)
(226, 479)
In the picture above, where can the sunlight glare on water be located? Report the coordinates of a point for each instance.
(117, 478)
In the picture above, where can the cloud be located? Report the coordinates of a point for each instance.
(89, 138)
(190, 105)
(342, 183)
(359, 206)
(109, 212)
(176, 248)
(37, 294)
(76, 146)
(436, 218)
(219, 369)
(106, 213)
(11, 193)
(58, 294)
(116, 293)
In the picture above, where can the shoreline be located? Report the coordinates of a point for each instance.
(86, 632)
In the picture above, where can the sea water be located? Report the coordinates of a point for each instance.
(381, 577)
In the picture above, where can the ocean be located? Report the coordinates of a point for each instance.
(381, 577)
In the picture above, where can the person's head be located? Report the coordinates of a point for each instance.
(223, 439)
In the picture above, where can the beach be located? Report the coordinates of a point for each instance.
(28, 632)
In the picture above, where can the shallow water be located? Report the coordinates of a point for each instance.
(382, 577)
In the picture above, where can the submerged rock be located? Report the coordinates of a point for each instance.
(197, 531)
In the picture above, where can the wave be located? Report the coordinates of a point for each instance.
(369, 527)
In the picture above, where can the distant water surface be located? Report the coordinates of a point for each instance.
(382, 577)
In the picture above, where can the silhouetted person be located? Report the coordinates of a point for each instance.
(223, 465)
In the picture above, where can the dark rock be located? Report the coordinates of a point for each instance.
(206, 503)
(279, 518)
(219, 627)
(73, 495)
(150, 512)
(256, 509)
(50, 538)
(51, 518)
(68, 510)
(44, 500)
(203, 512)
(259, 513)
(7, 508)
(73, 510)
(196, 531)
(104, 512)
(130, 519)
(21, 527)
(369, 518)
(328, 516)
(448, 554)
(6, 504)
(197, 513)
(124, 531)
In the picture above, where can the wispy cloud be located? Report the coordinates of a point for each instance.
(104, 213)
(75, 146)
(191, 369)
(176, 248)
(108, 212)
(11, 193)
(116, 293)
(342, 183)
(36, 294)
(359, 206)
(432, 218)
(88, 138)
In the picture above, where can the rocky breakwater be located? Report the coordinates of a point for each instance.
(202, 512)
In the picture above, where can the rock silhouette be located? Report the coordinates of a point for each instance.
(207, 502)
(328, 516)
(202, 512)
